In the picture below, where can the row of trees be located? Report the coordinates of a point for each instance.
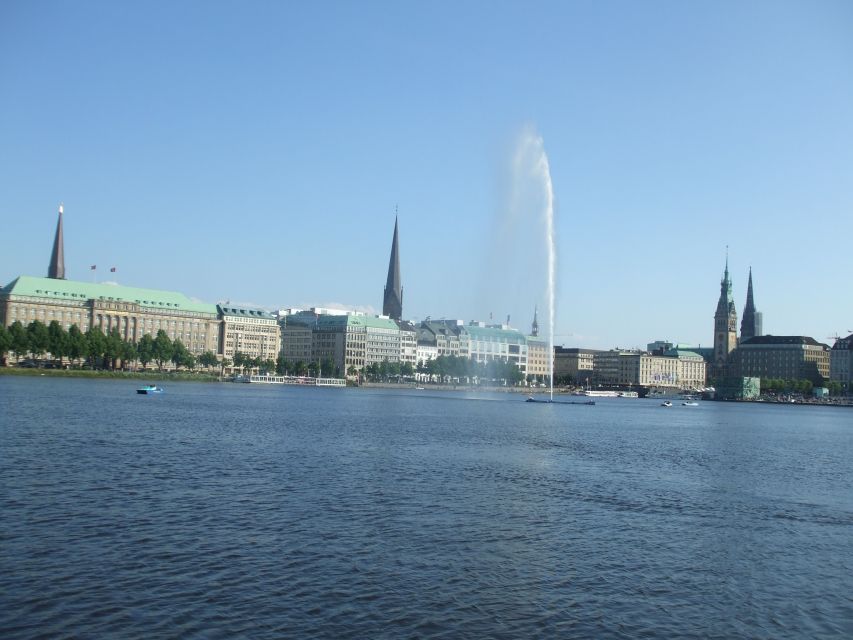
(324, 367)
(244, 361)
(778, 385)
(95, 348)
(385, 371)
(444, 368)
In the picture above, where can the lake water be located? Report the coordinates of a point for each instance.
(227, 510)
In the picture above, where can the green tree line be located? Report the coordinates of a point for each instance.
(778, 385)
(94, 348)
(449, 368)
(324, 367)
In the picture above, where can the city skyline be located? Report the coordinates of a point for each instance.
(267, 170)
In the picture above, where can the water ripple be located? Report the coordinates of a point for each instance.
(230, 511)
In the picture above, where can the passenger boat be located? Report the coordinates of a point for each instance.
(149, 388)
(317, 382)
(549, 401)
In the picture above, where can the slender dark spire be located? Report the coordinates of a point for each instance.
(750, 324)
(392, 304)
(750, 303)
(56, 270)
(534, 331)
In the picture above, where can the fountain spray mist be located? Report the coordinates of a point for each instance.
(531, 160)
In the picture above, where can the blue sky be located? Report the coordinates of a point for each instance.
(256, 152)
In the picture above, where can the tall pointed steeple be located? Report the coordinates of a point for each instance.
(725, 322)
(750, 325)
(56, 270)
(534, 330)
(392, 304)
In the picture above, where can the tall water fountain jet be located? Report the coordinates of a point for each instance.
(531, 163)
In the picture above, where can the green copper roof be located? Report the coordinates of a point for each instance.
(75, 290)
(371, 322)
(682, 353)
(494, 333)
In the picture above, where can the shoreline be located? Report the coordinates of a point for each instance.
(204, 377)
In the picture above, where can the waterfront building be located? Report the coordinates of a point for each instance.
(392, 302)
(752, 321)
(538, 363)
(133, 312)
(677, 369)
(361, 340)
(613, 367)
(425, 351)
(297, 333)
(576, 364)
(785, 357)
(296, 342)
(349, 339)
(841, 361)
(251, 332)
(692, 368)
(654, 371)
(446, 335)
(483, 343)
(495, 342)
(725, 324)
(408, 343)
(332, 342)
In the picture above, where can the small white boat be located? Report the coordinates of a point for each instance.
(667, 403)
(149, 388)
(690, 404)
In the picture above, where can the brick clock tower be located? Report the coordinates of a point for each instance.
(725, 324)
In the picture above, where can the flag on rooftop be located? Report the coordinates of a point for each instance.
(93, 267)
(112, 269)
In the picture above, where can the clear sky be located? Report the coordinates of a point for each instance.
(256, 151)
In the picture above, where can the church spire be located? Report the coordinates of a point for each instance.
(534, 330)
(750, 325)
(56, 270)
(392, 304)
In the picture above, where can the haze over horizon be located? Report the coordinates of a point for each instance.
(256, 153)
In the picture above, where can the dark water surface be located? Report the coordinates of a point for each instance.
(227, 510)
